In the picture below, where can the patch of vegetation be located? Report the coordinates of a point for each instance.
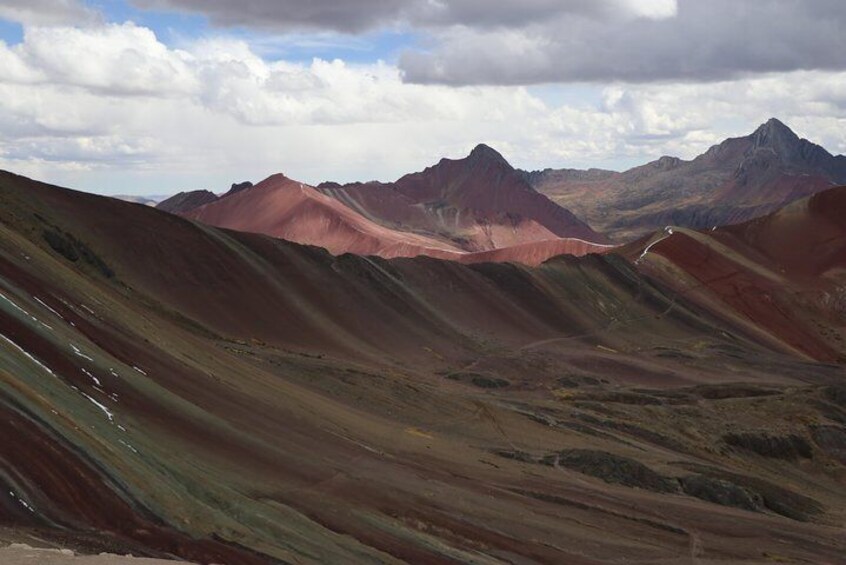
(832, 440)
(775, 498)
(576, 381)
(489, 382)
(789, 448)
(74, 250)
(618, 397)
(722, 492)
(478, 379)
(515, 455)
(613, 469)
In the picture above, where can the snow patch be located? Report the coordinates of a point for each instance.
(24, 312)
(48, 307)
(129, 446)
(21, 501)
(92, 377)
(79, 353)
(668, 231)
(30, 357)
(105, 410)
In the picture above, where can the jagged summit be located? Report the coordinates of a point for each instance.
(484, 152)
(777, 136)
(185, 201)
(238, 187)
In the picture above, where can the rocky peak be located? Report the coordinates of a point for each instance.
(667, 163)
(186, 201)
(485, 154)
(796, 153)
(777, 136)
(238, 187)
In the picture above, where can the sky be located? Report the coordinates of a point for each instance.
(152, 97)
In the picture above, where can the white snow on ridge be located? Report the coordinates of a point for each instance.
(79, 353)
(48, 307)
(129, 446)
(30, 357)
(102, 407)
(93, 378)
(24, 312)
(22, 501)
(668, 231)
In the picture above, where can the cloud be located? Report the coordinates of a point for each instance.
(547, 41)
(705, 41)
(358, 15)
(116, 59)
(47, 12)
(111, 108)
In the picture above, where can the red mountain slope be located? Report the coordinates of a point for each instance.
(783, 275)
(480, 202)
(296, 212)
(287, 209)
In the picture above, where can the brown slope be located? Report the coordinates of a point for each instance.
(732, 182)
(244, 451)
(479, 202)
(784, 274)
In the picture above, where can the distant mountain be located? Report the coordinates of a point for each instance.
(467, 210)
(186, 201)
(480, 203)
(145, 200)
(294, 211)
(737, 180)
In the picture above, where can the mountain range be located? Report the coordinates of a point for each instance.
(468, 210)
(480, 207)
(737, 180)
(449, 368)
(173, 389)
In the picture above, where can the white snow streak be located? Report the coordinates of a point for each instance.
(79, 353)
(105, 410)
(668, 231)
(31, 358)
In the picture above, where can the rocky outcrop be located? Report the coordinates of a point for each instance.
(722, 492)
(831, 440)
(187, 201)
(238, 187)
(790, 448)
(614, 469)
